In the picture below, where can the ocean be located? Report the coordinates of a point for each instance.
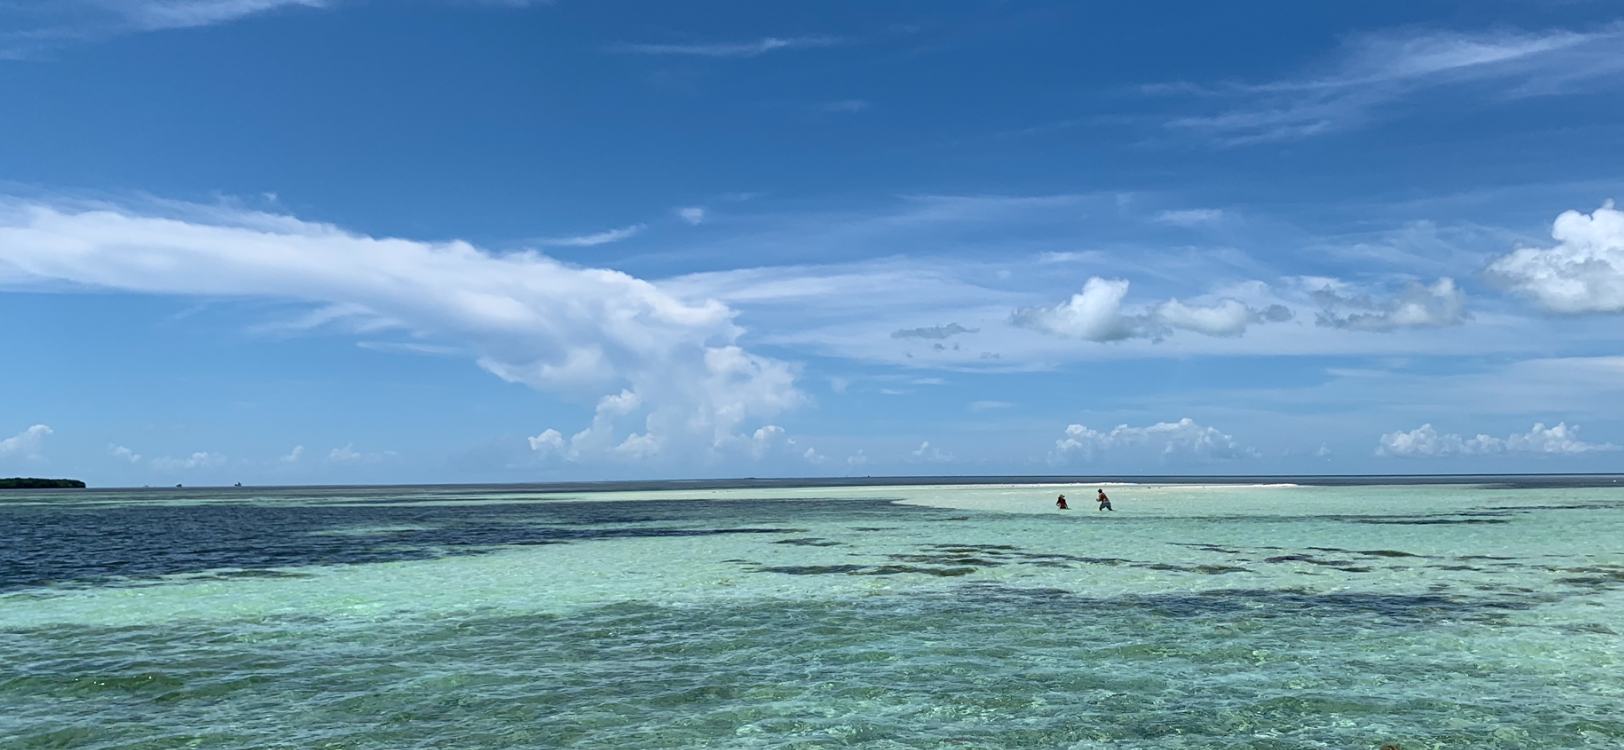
(1442, 613)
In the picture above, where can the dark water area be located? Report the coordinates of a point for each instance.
(104, 543)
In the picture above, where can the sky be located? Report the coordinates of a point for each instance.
(358, 241)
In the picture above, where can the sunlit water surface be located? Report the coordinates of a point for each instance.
(876, 617)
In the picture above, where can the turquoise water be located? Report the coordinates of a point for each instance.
(884, 617)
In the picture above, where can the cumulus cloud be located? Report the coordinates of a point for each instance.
(694, 215)
(928, 454)
(347, 454)
(1426, 441)
(1584, 273)
(933, 332)
(26, 443)
(198, 460)
(549, 442)
(1096, 314)
(294, 455)
(119, 451)
(1184, 436)
(774, 443)
(766, 439)
(524, 317)
(1416, 306)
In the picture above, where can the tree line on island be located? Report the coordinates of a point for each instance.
(29, 483)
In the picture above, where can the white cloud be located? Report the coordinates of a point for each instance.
(639, 446)
(32, 26)
(593, 240)
(989, 405)
(857, 459)
(349, 455)
(928, 454)
(294, 455)
(26, 443)
(1375, 71)
(1226, 317)
(812, 456)
(730, 49)
(399, 347)
(346, 454)
(694, 215)
(1426, 441)
(549, 442)
(973, 261)
(1096, 314)
(151, 15)
(1191, 217)
(524, 317)
(1183, 436)
(119, 451)
(1417, 306)
(198, 460)
(1584, 273)
(766, 439)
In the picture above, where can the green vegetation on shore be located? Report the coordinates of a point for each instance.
(27, 483)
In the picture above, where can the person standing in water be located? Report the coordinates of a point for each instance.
(1061, 503)
(1105, 502)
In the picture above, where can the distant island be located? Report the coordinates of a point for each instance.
(27, 483)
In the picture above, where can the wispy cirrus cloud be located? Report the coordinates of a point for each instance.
(177, 14)
(593, 240)
(29, 27)
(754, 48)
(1375, 72)
(1191, 217)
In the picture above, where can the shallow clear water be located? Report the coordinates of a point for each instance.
(920, 617)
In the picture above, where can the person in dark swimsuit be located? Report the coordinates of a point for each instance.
(1105, 502)
(1061, 503)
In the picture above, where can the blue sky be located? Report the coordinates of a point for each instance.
(313, 241)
